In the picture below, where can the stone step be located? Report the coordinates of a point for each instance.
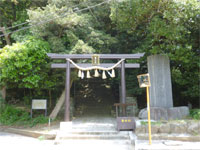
(85, 126)
(94, 128)
(121, 139)
(97, 144)
(91, 105)
(93, 133)
(81, 132)
(67, 136)
(97, 109)
(90, 129)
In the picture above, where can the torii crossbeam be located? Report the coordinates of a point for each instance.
(68, 67)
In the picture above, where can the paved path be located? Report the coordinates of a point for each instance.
(17, 142)
(10, 141)
(167, 145)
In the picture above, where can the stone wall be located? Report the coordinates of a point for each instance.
(132, 110)
(178, 127)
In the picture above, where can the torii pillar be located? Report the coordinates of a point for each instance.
(67, 92)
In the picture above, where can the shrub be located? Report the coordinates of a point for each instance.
(10, 115)
(15, 116)
(24, 64)
(195, 114)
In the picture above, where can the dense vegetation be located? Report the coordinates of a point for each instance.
(11, 115)
(66, 26)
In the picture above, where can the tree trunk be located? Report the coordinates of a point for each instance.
(59, 104)
(7, 38)
(3, 90)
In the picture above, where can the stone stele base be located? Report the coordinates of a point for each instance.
(158, 113)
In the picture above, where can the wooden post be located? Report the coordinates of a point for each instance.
(67, 93)
(123, 86)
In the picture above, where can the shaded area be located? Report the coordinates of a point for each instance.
(93, 97)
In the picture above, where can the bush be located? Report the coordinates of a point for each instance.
(195, 114)
(14, 116)
(24, 64)
(11, 115)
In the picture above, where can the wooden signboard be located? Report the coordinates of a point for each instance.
(144, 80)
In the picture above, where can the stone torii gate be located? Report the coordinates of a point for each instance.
(69, 65)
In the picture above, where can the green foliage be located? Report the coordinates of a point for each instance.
(14, 116)
(11, 115)
(39, 120)
(195, 114)
(13, 13)
(165, 27)
(23, 64)
(131, 26)
(70, 32)
(157, 123)
(56, 30)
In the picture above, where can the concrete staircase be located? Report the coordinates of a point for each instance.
(95, 129)
(94, 134)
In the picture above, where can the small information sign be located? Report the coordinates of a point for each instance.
(39, 104)
(126, 123)
(144, 80)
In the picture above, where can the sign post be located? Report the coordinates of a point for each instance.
(144, 81)
(39, 104)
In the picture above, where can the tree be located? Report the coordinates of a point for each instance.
(13, 13)
(24, 65)
(165, 27)
(69, 30)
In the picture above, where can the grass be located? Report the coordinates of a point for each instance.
(152, 123)
(195, 114)
(12, 116)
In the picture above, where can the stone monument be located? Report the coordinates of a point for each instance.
(160, 77)
(161, 101)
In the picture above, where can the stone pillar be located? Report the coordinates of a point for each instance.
(160, 78)
(161, 102)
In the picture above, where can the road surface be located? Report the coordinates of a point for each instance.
(10, 141)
